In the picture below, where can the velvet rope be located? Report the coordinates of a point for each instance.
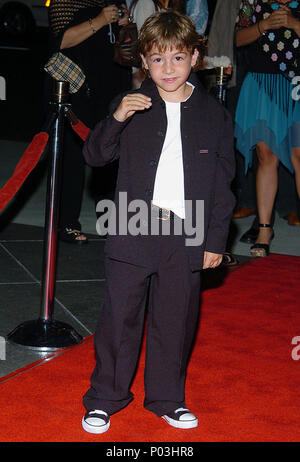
(81, 130)
(79, 127)
(32, 155)
(25, 165)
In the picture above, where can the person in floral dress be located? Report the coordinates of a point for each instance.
(268, 111)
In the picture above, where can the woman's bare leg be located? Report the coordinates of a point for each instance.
(296, 164)
(266, 189)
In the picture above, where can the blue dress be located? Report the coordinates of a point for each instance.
(268, 108)
(197, 10)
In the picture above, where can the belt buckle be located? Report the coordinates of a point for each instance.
(164, 218)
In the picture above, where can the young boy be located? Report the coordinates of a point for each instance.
(175, 147)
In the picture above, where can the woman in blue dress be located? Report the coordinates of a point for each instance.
(268, 110)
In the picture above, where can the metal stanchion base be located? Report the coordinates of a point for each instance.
(44, 335)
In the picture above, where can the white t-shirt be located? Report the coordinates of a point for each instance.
(169, 180)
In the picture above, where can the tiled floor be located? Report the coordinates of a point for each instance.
(79, 287)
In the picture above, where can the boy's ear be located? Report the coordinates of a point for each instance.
(144, 62)
(195, 56)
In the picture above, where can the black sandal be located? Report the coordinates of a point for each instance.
(262, 250)
(71, 236)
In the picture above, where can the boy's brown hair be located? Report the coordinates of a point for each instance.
(169, 29)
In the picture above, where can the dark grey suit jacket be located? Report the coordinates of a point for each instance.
(208, 162)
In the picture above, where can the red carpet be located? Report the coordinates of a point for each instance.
(242, 380)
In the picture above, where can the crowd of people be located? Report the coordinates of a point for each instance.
(269, 135)
(271, 32)
(261, 38)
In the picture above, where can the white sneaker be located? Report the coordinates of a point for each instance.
(96, 421)
(181, 418)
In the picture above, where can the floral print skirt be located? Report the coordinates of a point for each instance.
(268, 110)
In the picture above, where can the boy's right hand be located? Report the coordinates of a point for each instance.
(130, 104)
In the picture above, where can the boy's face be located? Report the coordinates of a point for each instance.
(169, 70)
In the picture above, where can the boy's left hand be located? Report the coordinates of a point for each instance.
(211, 260)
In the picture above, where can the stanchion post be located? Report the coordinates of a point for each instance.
(222, 76)
(220, 83)
(60, 99)
(45, 333)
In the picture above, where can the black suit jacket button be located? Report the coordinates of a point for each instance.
(148, 192)
(160, 133)
(153, 163)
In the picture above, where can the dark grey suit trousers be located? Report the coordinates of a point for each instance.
(167, 295)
